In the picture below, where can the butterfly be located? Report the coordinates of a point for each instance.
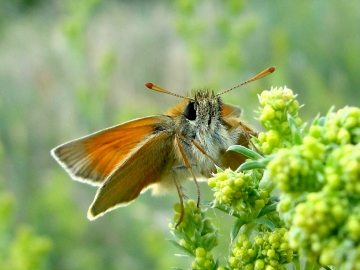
(158, 151)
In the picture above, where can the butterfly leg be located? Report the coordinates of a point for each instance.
(188, 166)
(198, 146)
(175, 176)
(180, 190)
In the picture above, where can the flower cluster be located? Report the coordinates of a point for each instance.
(196, 233)
(342, 127)
(319, 176)
(239, 190)
(315, 220)
(326, 227)
(296, 169)
(203, 260)
(276, 105)
(268, 250)
(342, 170)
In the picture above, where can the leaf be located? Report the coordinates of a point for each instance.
(299, 199)
(197, 237)
(209, 241)
(178, 234)
(218, 169)
(235, 229)
(245, 151)
(227, 210)
(267, 209)
(181, 235)
(264, 222)
(204, 230)
(315, 122)
(216, 264)
(192, 226)
(182, 248)
(295, 131)
(274, 199)
(207, 204)
(266, 182)
(251, 165)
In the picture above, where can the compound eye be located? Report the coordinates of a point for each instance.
(190, 112)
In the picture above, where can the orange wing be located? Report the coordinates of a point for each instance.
(136, 173)
(92, 158)
(231, 116)
(228, 110)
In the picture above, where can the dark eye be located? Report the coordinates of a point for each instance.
(190, 112)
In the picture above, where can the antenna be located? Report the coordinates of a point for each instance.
(159, 89)
(259, 76)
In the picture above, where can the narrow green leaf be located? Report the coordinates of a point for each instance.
(227, 210)
(207, 203)
(209, 241)
(178, 234)
(216, 264)
(267, 209)
(251, 165)
(245, 151)
(274, 199)
(268, 158)
(182, 248)
(181, 235)
(267, 182)
(218, 169)
(197, 236)
(205, 230)
(235, 229)
(264, 222)
(316, 120)
(295, 131)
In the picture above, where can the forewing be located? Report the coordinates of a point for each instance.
(140, 170)
(92, 158)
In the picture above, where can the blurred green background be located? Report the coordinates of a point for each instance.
(69, 68)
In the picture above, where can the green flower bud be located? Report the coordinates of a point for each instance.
(259, 264)
(270, 253)
(200, 252)
(233, 262)
(249, 266)
(269, 267)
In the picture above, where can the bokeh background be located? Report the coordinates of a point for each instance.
(69, 68)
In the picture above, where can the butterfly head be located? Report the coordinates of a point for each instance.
(203, 110)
